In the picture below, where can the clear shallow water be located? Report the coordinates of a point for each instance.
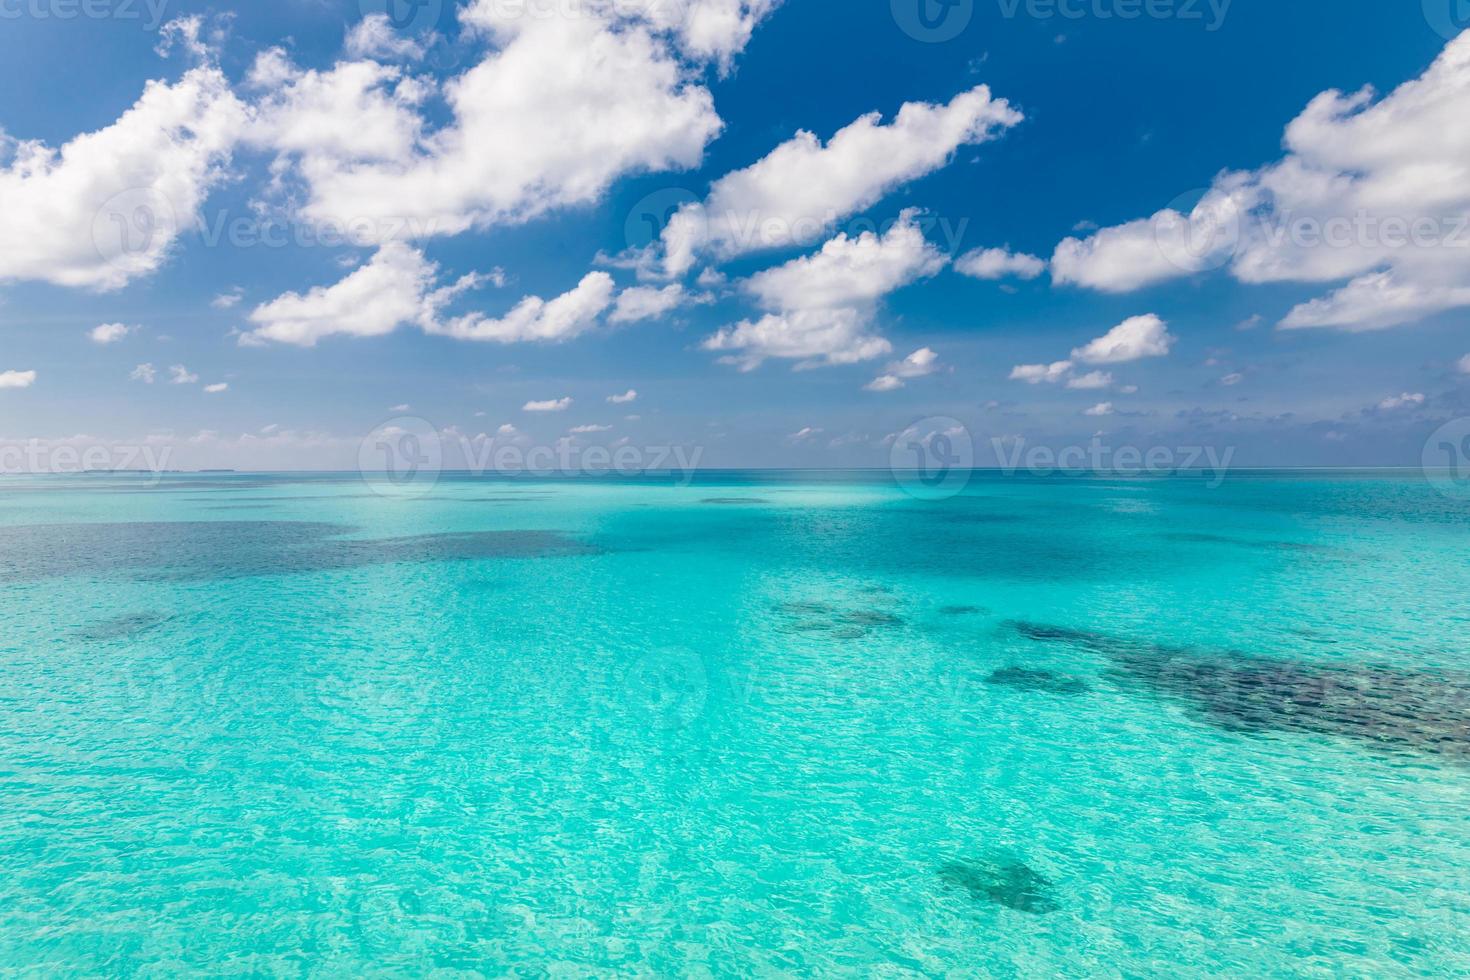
(764, 723)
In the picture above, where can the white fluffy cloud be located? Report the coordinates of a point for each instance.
(145, 373)
(551, 405)
(1133, 339)
(626, 398)
(1373, 192)
(1100, 409)
(180, 375)
(17, 379)
(400, 287)
(375, 37)
(1035, 374)
(800, 189)
(395, 288)
(1136, 337)
(107, 207)
(998, 263)
(921, 362)
(560, 108)
(360, 112)
(1463, 365)
(109, 333)
(216, 388)
(823, 305)
(647, 302)
(534, 319)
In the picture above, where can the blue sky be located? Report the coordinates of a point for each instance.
(1166, 274)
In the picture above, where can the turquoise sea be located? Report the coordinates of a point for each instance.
(762, 724)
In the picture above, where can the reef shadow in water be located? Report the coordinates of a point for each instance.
(1388, 708)
(120, 627)
(1038, 681)
(1004, 881)
(840, 624)
(963, 611)
(206, 550)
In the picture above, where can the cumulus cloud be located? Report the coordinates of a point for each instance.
(798, 191)
(180, 375)
(107, 207)
(647, 303)
(823, 305)
(396, 287)
(17, 379)
(1136, 337)
(145, 373)
(551, 405)
(1372, 192)
(375, 37)
(1035, 374)
(358, 113)
(998, 263)
(109, 333)
(582, 430)
(399, 287)
(560, 108)
(626, 398)
(215, 389)
(1463, 365)
(1100, 409)
(534, 319)
(921, 362)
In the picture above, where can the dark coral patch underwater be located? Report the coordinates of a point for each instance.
(1388, 708)
(1003, 881)
(1039, 681)
(120, 627)
(840, 624)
